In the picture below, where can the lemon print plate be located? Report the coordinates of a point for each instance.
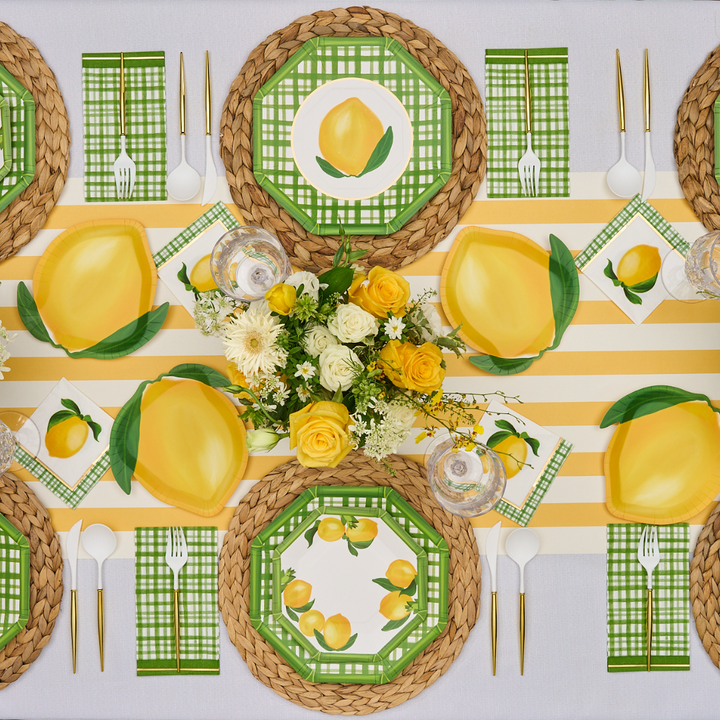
(181, 439)
(662, 465)
(349, 584)
(512, 299)
(14, 581)
(93, 289)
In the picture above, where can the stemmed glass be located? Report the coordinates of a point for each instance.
(699, 278)
(16, 431)
(467, 483)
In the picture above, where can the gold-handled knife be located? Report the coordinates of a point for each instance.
(649, 179)
(491, 549)
(210, 171)
(73, 545)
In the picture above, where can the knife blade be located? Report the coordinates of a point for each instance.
(73, 545)
(491, 550)
(649, 179)
(210, 170)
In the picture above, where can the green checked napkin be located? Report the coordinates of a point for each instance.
(154, 610)
(626, 600)
(145, 115)
(505, 98)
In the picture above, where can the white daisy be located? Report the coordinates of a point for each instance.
(251, 342)
(394, 327)
(305, 370)
(303, 394)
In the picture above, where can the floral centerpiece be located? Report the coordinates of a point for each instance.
(4, 352)
(339, 361)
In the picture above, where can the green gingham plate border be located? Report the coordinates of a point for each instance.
(407, 643)
(14, 581)
(626, 600)
(217, 212)
(523, 515)
(505, 93)
(636, 206)
(22, 126)
(5, 138)
(146, 123)
(275, 169)
(154, 604)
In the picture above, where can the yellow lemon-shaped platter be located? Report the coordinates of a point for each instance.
(93, 290)
(187, 438)
(512, 299)
(662, 464)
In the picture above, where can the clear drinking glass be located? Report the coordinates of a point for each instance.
(467, 483)
(16, 430)
(247, 261)
(699, 279)
(7, 447)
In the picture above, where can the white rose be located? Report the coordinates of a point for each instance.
(311, 285)
(401, 415)
(431, 315)
(351, 324)
(319, 338)
(261, 440)
(336, 367)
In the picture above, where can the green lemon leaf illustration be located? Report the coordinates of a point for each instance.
(30, 316)
(650, 400)
(496, 438)
(327, 168)
(645, 285)
(362, 544)
(71, 405)
(58, 417)
(380, 153)
(411, 588)
(609, 273)
(505, 425)
(304, 608)
(395, 624)
(291, 613)
(182, 276)
(385, 584)
(310, 534)
(325, 646)
(532, 442)
(632, 297)
(351, 546)
(502, 366)
(94, 427)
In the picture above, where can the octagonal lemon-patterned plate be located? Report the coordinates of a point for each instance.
(14, 581)
(352, 132)
(349, 584)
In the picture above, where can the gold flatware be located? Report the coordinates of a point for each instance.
(649, 558)
(529, 165)
(491, 550)
(176, 555)
(124, 167)
(649, 179)
(210, 170)
(73, 545)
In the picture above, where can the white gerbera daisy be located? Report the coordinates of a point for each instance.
(251, 342)
(394, 327)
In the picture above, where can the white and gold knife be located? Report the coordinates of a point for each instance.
(73, 544)
(649, 179)
(491, 550)
(210, 171)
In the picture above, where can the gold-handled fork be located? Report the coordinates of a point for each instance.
(124, 167)
(529, 165)
(649, 558)
(176, 555)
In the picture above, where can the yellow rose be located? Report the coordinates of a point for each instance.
(237, 378)
(385, 292)
(411, 367)
(281, 298)
(319, 431)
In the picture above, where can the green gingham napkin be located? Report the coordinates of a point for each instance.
(626, 600)
(154, 610)
(505, 99)
(145, 123)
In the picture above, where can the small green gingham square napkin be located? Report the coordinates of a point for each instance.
(505, 99)
(626, 600)
(145, 123)
(154, 609)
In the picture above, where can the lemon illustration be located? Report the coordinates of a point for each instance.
(365, 530)
(664, 463)
(297, 593)
(497, 285)
(93, 280)
(394, 605)
(191, 451)
(513, 453)
(638, 265)
(66, 438)
(401, 573)
(349, 134)
(310, 621)
(201, 277)
(330, 529)
(337, 631)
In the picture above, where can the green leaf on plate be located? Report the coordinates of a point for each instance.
(496, 438)
(534, 443)
(304, 608)
(645, 285)
(310, 534)
(502, 366)
(30, 316)
(291, 614)
(327, 168)
(338, 280)
(505, 425)
(58, 417)
(650, 400)
(94, 427)
(199, 372)
(325, 646)
(71, 405)
(411, 588)
(380, 153)
(385, 584)
(351, 546)
(362, 544)
(395, 624)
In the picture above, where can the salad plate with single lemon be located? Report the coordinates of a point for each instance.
(662, 464)
(349, 584)
(511, 298)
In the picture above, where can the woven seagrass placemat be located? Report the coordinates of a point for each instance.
(22, 508)
(435, 219)
(694, 144)
(270, 497)
(24, 216)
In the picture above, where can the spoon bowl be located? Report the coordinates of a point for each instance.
(522, 546)
(622, 178)
(183, 183)
(99, 542)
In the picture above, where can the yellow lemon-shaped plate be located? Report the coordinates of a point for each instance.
(663, 462)
(512, 299)
(93, 290)
(187, 438)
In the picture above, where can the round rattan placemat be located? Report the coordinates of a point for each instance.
(435, 219)
(694, 144)
(22, 508)
(271, 496)
(24, 216)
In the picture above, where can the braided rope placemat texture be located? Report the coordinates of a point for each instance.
(694, 144)
(270, 497)
(434, 221)
(22, 508)
(24, 216)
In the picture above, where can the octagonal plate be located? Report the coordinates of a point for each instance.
(409, 164)
(14, 581)
(355, 577)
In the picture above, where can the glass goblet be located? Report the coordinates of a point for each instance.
(699, 278)
(17, 433)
